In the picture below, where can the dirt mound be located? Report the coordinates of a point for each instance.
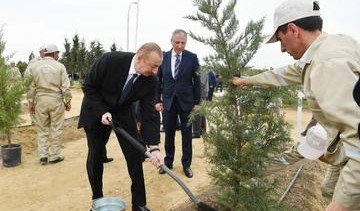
(26, 135)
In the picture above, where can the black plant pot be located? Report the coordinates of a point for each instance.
(11, 156)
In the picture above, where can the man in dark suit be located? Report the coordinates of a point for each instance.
(179, 93)
(114, 82)
(212, 84)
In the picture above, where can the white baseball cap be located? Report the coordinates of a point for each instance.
(42, 48)
(292, 10)
(315, 143)
(51, 48)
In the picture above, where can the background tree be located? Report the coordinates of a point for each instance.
(77, 59)
(74, 57)
(99, 49)
(66, 58)
(22, 66)
(113, 47)
(95, 51)
(31, 56)
(82, 67)
(245, 126)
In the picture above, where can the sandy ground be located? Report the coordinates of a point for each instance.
(64, 186)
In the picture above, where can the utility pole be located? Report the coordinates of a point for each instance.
(128, 20)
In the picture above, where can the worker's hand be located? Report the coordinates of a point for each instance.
(336, 206)
(32, 107)
(156, 158)
(106, 118)
(237, 81)
(159, 106)
(68, 106)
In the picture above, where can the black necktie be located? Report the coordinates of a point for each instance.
(127, 89)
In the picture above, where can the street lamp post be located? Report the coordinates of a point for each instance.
(128, 19)
(137, 22)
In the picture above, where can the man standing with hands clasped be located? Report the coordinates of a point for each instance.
(178, 93)
(49, 96)
(328, 66)
(114, 82)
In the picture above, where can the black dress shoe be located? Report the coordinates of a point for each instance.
(107, 160)
(161, 171)
(188, 172)
(195, 136)
(139, 208)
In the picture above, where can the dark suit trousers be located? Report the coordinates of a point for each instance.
(170, 119)
(199, 125)
(96, 143)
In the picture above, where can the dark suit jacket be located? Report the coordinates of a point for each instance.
(212, 79)
(186, 87)
(102, 89)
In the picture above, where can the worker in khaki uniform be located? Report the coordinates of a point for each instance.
(41, 55)
(15, 72)
(42, 51)
(49, 96)
(328, 66)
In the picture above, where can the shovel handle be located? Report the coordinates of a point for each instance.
(142, 149)
(132, 140)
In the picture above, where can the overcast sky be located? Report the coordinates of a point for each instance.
(30, 24)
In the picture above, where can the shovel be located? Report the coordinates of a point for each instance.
(201, 206)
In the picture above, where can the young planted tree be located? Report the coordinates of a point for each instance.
(11, 90)
(245, 126)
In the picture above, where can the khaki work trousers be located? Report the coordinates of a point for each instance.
(49, 120)
(347, 190)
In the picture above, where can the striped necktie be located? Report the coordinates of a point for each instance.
(177, 64)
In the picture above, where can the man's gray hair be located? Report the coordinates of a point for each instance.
(179, 31)
(149, 47)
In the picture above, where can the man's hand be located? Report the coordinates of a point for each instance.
(32, 107)
(156, 158)
(159, 107)
(336, 206)
(68, 106)
(237, 81)
(106, 118)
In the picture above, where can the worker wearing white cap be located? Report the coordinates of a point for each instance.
(49, 96)
(41, 55)
(328, 67)
(42, 50)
